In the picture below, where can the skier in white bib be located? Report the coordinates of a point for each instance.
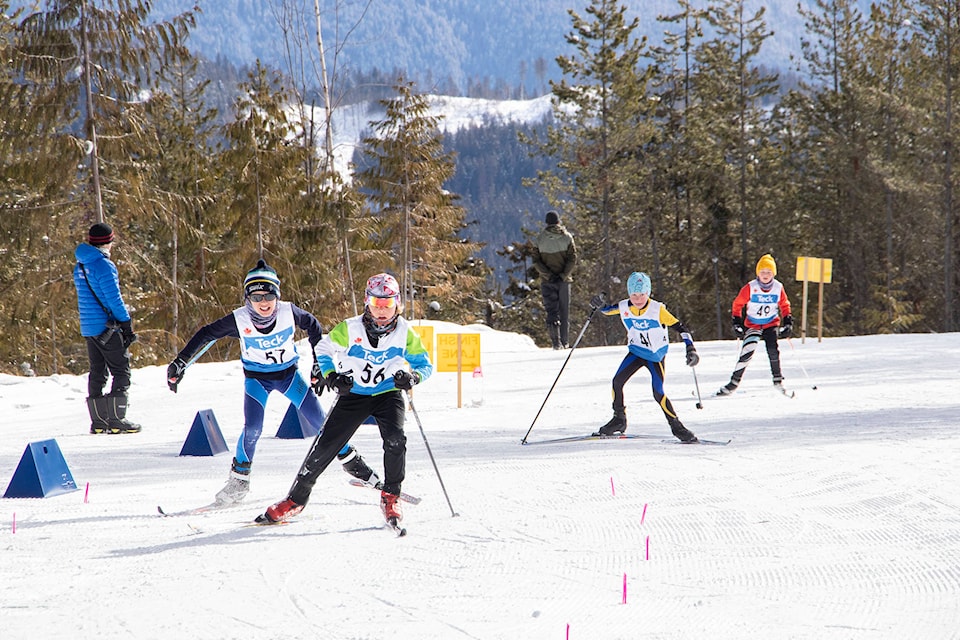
(265, 326)
(365, 360)
(761, 311)
(646, 322)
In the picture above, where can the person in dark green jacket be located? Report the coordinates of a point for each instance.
(555, 257)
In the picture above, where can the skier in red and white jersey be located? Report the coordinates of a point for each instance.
(761, 311)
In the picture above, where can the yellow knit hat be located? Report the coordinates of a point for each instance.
(767, 262)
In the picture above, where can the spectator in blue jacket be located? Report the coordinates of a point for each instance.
(106, 327)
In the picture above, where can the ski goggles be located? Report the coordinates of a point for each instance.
(260, 297)
(381, 303)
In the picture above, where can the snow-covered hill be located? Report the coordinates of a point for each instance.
(352, 122)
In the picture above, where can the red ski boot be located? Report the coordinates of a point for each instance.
(390, 505)
(279, 512)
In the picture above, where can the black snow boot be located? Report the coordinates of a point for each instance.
(97, 407)
(117, 416)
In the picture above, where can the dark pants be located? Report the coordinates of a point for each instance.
(113, 359)
(630, 365)
(346, 415)
(556, 302)
(750, 343)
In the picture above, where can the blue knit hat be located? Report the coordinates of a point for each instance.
(262, 278)
(638, 282)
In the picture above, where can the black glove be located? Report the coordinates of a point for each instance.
(692, 357)
(556, 278)
(175, 372)
(596, 301)
(126, 334)
(339, 382)
(405, 380)
(738, 329)
(786, 327)
(317, 382)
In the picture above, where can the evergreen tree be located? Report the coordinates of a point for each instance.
(600, 127)
(182, 188)
(843, 186)
(268, 210)
(680, 161)
(935, 94)
(74, 93)
(405, 168)
(728, 126)
(900, 173)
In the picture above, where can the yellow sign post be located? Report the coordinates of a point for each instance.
(425, 332)
(457, 352)
(809, 270)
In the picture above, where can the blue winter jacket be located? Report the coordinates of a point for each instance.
(101, 276)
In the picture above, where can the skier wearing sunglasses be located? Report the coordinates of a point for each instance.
(369, 361)
(265, 326)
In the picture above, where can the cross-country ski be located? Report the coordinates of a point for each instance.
(406, 497)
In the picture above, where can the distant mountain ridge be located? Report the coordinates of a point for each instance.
(454, 41)
(444, 45)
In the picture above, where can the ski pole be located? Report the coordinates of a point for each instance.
(198, 354)
(585, 325)
(800, 362)
(697, 386)
(173, 382)
(416, 416)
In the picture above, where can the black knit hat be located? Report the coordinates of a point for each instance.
(100, 234)
(262, 278)
(552, 218)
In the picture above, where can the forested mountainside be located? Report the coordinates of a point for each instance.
(454, 46)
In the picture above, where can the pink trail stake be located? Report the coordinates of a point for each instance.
(648, 547)
(86, 494)
(613, 490)
(568, 631)
(624, 588)
(644, 514)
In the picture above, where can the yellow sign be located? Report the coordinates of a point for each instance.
(457, 352)
(425, 332)
(809, 270)
(814, 269)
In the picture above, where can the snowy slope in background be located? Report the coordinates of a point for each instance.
(352, 122)
(833, 515)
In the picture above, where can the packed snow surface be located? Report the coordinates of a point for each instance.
(832, 515)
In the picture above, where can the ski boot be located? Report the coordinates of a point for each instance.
(681, 432)
(390, 505)
(727, 389)
(617, 424)
(279, 512)
(238, 483)
(354, 464)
